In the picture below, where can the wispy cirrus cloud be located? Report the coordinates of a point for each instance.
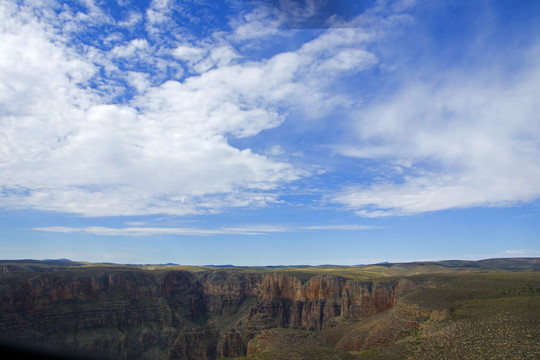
(474, 143)
(260, 229)
(522, 252)
(340, 227)
(450, 134)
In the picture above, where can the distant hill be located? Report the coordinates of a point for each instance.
(383, 269)
(56, 260)
(221, 266)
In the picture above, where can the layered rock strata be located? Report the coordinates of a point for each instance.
(175, 314)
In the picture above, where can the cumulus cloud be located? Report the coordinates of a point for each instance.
(190, 54)
(77, 141)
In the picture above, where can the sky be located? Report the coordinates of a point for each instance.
(271, 132)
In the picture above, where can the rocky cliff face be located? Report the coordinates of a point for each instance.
(175, 314)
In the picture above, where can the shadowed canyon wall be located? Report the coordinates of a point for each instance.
(175, 314)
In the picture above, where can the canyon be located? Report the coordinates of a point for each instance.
(121, 312)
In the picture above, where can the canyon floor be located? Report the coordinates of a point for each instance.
(487, 309)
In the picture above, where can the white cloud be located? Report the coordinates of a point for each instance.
(190, 54)
(341, 227)
(275, 151)
(258, 24)
(219, 56)
(158, 12)
(136, 230)
(149, 231)
(132, 48)
(350, 59)
(71, 146)
(135, 223)
(133, 19)
(139, 80)
(472, 141)
(66, 151)
(522, 253)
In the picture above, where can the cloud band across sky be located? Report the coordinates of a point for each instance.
(190, 231)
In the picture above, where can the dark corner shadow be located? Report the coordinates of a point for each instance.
(13, 350)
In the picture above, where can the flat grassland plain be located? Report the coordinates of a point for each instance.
(487, 309)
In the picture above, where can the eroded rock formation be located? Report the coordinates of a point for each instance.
(175, 314)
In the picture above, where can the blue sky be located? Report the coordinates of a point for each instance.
(269, 132)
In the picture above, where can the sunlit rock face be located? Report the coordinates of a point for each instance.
(121, 313)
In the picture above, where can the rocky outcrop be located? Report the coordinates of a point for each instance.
(232, 343)
(363, 299)
(4, 269)
(176, 314)
(289, 303)
(196, 344)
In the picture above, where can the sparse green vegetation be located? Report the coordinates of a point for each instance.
(492, 314)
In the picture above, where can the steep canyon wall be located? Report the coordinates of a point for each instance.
(175, 314)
